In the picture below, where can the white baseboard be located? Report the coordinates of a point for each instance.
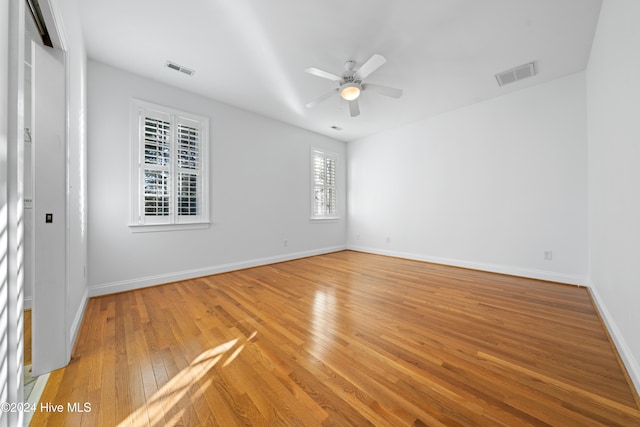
(77, 320)
(550, 276)
(27, 303)
(630, 362)
(143, 282)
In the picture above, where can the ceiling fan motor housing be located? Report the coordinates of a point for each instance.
(350, 65)
(349, 79)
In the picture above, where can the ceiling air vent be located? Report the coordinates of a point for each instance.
(180, 68)
(515, 74)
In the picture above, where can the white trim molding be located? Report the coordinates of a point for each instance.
(143, 282)
(550, 276)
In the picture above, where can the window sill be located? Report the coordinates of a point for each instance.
(152, 228)
(324, 219)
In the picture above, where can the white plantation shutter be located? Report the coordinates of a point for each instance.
(324, 185)
(188, 169)
(156, 136)
(168, 163)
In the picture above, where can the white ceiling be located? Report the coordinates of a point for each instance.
(252, 54)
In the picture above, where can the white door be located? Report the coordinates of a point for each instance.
(49, 210)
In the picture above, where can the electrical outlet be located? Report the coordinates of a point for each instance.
(548, 255)
(285, 243)
(388, 239)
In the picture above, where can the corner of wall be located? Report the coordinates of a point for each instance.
(530, 273)
(629, 363)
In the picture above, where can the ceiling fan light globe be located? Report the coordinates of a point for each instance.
(350, 92)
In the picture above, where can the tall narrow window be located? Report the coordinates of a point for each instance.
(169, 176)
(323, 185)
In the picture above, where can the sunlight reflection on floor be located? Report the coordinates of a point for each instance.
(323, 320)
(188, 381)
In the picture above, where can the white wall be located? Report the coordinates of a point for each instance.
(613, 92)
(490, 186)
(259, 194)
(76, 173)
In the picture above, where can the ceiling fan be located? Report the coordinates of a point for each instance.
(350, 84)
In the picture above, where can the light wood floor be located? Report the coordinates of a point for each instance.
(345, 339)
(27, 337)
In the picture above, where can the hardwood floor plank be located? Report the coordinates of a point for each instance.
(345, 339)
(27, 336)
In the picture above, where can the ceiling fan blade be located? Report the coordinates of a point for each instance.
(372, 64)
(354, 108)
(324, 74)
(321, 98)
(383, 90)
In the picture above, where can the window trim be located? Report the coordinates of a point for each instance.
(138, 222)
(314, 217)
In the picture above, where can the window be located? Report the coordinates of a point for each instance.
(169, 168)
(323, 185)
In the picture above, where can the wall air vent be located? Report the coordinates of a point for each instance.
(180, 68)
(517, 73)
